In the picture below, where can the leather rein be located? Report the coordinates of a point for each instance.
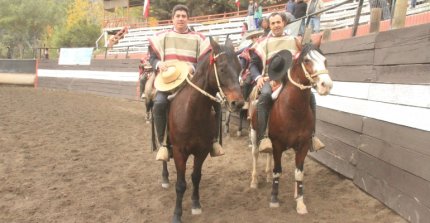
(220, 98)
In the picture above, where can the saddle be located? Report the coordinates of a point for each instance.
(255, 93)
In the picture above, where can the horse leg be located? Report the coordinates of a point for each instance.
(241, 117)
(227, 122)
(196, 176)
(277, 171)
(298, 175)
(255, 153)
(269, 162)
(165, 176)
(181, 185)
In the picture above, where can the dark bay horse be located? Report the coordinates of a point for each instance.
(191, 124)
(291, 121)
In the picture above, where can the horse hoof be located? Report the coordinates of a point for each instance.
(301, 208)
(254, 185)
(238, 133)
(165, 185)
(196, 211)
(302, 211)
(147, 122)
(274, 204)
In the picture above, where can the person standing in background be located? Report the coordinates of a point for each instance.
(300, 11)
(289, 7)
(258, 14)
(250, 16)
(314, 21)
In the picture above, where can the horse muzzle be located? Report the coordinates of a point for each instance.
(324, 85)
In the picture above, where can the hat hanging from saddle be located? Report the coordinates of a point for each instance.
(252, 34)
(174, 76)
(279, 65)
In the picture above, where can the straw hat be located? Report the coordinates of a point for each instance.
(251, 34)
(173, 77)
(279, 64)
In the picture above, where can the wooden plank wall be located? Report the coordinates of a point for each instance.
(117, 78)
(376, 122)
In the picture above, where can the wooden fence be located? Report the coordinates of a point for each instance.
(375, 122)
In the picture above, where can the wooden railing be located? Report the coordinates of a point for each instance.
(121, 22)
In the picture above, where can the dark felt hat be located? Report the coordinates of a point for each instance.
(279, 64)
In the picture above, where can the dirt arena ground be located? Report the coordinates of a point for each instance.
(74, 157)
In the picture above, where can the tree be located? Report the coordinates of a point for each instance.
(82, 25)
(23, 23)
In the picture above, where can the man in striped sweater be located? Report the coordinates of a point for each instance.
(261, 54)
(177, 44)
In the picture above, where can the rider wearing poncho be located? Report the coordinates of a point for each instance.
(261, 55)
(167, 47)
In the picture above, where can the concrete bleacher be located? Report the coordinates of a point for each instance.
(136, 40)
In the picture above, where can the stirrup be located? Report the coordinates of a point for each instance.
(162, 154)
(317, 144)
(245, 106)
(265, 146)
(216, 150)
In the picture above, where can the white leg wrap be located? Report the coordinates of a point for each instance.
(275, 175)
(298, 175)
(301, 207)
(253, 138)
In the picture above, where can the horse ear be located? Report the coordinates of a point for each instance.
(228, 42)
(298, 43)
(317, 42)
(215, 47)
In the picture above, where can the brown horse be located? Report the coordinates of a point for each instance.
(191, 120)
(291, 121)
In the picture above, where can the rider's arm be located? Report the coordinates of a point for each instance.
(256, 66)
(153, 59)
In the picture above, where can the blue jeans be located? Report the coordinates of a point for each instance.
(302, 27)
(315, 24)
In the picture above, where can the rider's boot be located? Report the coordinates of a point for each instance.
(263, 108)
(160, 128)
(217, 149)
(316, 142)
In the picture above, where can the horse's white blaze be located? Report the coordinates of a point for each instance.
(323, 81)
(298, 175)
(317, 59)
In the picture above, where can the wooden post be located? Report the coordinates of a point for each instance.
(399, 14)
(375, 20)
(326, 35)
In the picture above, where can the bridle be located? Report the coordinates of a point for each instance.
(220, 98)
(308, 76)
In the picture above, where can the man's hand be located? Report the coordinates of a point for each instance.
(260, 82)
(162, 66)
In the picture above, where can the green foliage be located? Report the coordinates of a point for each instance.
(81, 34)
(162, 8)
(23, 23)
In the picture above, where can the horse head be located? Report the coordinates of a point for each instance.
(314, 65)
(226, 69)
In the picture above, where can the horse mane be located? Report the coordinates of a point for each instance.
(205, 58)
(306, 49)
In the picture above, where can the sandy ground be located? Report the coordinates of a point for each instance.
(74, 157)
